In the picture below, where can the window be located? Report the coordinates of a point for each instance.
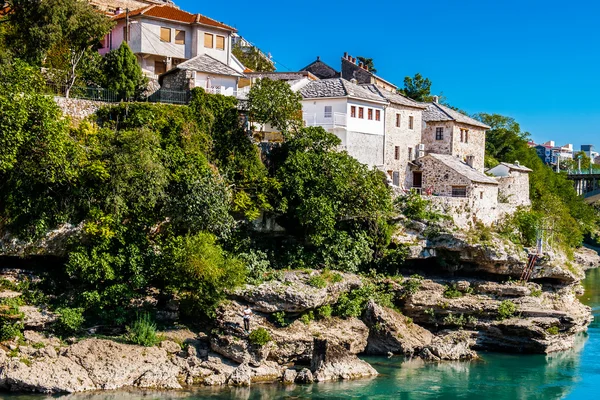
(165, 34)
(220, 42)
(353, 111)
(439, 133)
(179, 37)
(481, 193)
(160, 67)
(459, 191)
(328, 112)
(377, 115)
(397, 153)
(466, 136)
(208, 40)
(398, 120)
(370, 113)
(411, 121)
(461, 136)
(410, 154)
(361, 112)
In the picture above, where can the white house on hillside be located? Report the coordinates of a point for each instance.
(353, 113)
(163, 37)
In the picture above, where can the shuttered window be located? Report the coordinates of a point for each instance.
(179, 37)
(165, 34)
(361, 112)
(377, 115)
(353, 111)
(396, 152)
(411, 121)
(370, 113)
(220, 42)
(398, 120)
(208, 40)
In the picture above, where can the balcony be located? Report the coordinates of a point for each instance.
(240, 93)
(326, 121)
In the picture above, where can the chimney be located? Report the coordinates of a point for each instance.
(360, 65)
(318, 58)
(353, 60)
(366, 67)
(436, 99)
(517, 163)
(345, 55)
(470, 161)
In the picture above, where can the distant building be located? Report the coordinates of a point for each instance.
(588, 149)
(513, 183)
(551, 154)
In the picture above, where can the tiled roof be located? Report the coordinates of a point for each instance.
(283, 76)
(516, 167)
(338, 87)
(394, 97)
(205, 63)
(174, 14)
(462, 168)
(436, 112)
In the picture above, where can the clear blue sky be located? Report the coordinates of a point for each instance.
(536, 61)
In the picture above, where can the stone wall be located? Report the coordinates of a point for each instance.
(473, 144)
(404, 138)
(78, 109)
(180, 80)
(465, 212)
(432, 145)
(514, 189)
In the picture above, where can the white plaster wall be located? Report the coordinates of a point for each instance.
(149, 31)
(317, 107)
(365, 125)
(227, 84)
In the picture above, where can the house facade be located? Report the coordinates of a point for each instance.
(163, 37)
(353, 113)
(513, 183)
(446, 131)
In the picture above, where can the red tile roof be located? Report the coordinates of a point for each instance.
(174, 14)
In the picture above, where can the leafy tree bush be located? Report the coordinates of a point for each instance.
(451, 292)
(70, 320)
(274, 102)
(143, 332)
(260, 337)
(414, 206)
(325, 311)
(506, 309)
(123, 73)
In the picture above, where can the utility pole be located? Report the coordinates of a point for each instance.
(126, 26)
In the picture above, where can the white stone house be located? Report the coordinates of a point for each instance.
(513, 183)
(353, 113)
(458, 189)
(446, 131)
(163, 36)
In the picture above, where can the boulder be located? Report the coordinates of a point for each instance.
(240, 349)
(451, 346)
(37, 318)
(333, 362)
(170, 346)
(289, 376)
(389, 331)
(305, 376)
(242, 376)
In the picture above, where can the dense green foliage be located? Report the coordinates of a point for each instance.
(253, 58)
(368, 63)
(70, 320)
(260, 337)
(557, 210)
(417, 88)
(123, 74)
(506, 309)
(143, 332)
(274, 102)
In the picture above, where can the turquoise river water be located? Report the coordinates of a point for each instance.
(573, 374)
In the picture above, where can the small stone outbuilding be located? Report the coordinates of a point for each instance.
(513, 183)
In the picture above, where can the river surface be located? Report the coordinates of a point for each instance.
(573, 374)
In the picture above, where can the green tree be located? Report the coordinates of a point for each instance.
(56, 33)
(274, 102)
(123, 74)
(334, 206)
(251, 57)
(368, 62)
(417, 88)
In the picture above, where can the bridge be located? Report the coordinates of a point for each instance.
(587, 184)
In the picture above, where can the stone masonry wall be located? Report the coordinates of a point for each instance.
(514, 189)
(179, 80)
(437, 146)
(473, 144)
(78, 109)
(404, 138)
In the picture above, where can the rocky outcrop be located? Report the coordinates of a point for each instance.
(331, 361)
(54, 243)
(451, 346)
(294, 294)
(392, 332)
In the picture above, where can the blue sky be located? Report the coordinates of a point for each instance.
(535, 61)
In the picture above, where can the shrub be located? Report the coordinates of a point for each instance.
(143, 332)
(412, 284)
(10, 331)
(553, 330)
(317, 281)
(324, 311)
(451, 292)
(506, 309)
(260, 337)
(451, 319)
(414, 206)
(306, 318)
(536, 292)
(279, 318)
(69, 320)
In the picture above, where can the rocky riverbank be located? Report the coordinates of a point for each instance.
(469, 299)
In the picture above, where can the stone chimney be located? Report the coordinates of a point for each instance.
(360, 65)
(470, 161)
(436, 99)
(318, 58)
(345, 55)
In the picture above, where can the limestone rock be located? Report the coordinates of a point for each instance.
(36, 318)
(305, 376)
(332, 362)
(587, 258)
(452, 346)
(241, 376)
(294, 294)
(170, 346)
(289, 376)
(390, 332)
